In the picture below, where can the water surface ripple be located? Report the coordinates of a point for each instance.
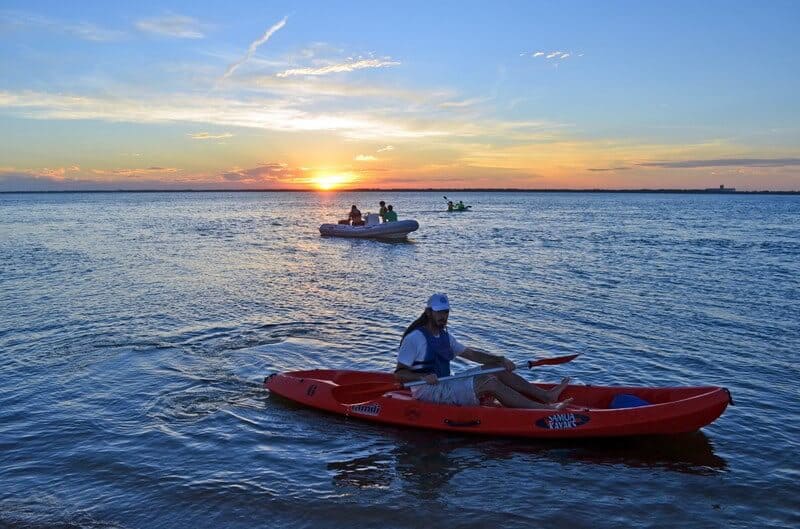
(136, 329)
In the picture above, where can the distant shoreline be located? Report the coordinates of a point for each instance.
(416, 190)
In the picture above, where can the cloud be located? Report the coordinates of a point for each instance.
(317, 86)
(725, 162)
(87, 31)
(464, 103)
(136, 173)
(177, 26)
(192, 108)
(365, 158)
(386, 148)
(554, 56)
(346, 66)
(208, 136)
(83, 30)
(45, 179)
(254, 46)
(598, 169)
(266, 172)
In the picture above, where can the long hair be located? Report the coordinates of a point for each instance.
(422, 321)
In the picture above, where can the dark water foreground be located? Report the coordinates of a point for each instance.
(135, 330)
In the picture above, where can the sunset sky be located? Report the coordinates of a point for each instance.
(299, 95)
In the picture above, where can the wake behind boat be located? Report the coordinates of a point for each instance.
(371, 229)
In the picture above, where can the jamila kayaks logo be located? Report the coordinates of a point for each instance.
(366, 409)
(562, 421)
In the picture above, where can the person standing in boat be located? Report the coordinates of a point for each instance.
(427, 348)
(355, 216)
(382, 210)
(390, 215)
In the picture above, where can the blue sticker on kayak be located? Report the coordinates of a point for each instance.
(366, 409)
(562, 421)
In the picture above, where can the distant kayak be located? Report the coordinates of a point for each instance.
(596, 411)
(454, 210)
(387, 230)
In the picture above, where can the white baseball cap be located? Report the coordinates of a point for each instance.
(438, 302)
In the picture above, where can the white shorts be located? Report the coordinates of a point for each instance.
(459, 392)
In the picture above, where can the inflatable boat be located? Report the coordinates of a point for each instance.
(596, 411)
(372, 229)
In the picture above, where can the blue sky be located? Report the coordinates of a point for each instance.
(418, 94)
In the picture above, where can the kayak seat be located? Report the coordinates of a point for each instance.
(626, 400)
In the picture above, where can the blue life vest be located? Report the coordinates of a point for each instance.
(437, 355)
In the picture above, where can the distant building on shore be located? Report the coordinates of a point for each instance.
(720, 189)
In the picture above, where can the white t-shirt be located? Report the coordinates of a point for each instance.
(414, 346)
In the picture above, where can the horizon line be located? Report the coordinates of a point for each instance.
(724, 191)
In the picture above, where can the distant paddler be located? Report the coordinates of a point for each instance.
(460, 206)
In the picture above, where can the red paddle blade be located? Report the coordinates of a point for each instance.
(553, 361)
(362, 392)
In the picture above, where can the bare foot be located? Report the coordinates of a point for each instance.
(561, 405)
(553, 394)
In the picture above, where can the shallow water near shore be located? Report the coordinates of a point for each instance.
(136, 330)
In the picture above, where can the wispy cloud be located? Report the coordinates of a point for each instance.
(177, 26)
(136, 172)
(263, 173)
(386, 148)
(725, 162)
(607, 169)
(365, 158)
(346, 66)
(552, 56)
(57, 173)
(189, 108)
(208, 136)
(254, 46)
(20, 20)
(87, 31)
(325, 87)
(464, 103)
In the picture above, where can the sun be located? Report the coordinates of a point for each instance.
(327, 182)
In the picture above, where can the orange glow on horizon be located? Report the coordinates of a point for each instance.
(329, 182)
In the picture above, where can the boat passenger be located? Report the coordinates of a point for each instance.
(355, 216)
(460, 206)
(390, 215)
(426, 349)
(382, 210)
(450, 206)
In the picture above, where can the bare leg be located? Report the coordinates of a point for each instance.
(520, 385)
(510, 398)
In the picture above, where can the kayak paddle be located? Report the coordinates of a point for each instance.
(364, 391)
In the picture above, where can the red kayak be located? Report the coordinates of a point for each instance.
(596, 411)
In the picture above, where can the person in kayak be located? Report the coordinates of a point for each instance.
(390, 215)
(460, 206)
(382, 210)
(355, 216)
(427, 348)
(450, 205)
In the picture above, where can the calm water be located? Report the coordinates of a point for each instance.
(136, 330)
